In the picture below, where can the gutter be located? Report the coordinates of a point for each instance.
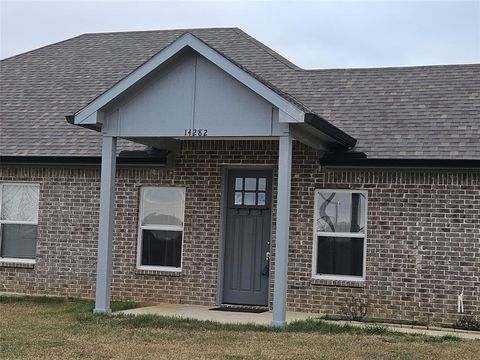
(332, 131)
(359, 160)
(141, 159)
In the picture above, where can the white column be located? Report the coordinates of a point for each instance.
(282, 231)
(105, 226)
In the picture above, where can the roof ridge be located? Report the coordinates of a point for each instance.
(408, 67)
(161, 31)
(41, 47)
(114, 32)
(269, 50)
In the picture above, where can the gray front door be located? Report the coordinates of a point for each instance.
(247, 240)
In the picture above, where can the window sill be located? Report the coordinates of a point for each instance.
(140, 271)
(17, 264)
(338, 282)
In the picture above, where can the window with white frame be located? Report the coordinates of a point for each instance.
(161, 228)
(18, 221)
(340, 234)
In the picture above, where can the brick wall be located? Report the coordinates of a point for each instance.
(423, 241)
(423, 233)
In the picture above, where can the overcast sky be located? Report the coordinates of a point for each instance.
(312, 34)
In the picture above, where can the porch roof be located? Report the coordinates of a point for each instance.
(162, 98)
(426, 112)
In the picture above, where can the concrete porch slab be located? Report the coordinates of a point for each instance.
(200, 312)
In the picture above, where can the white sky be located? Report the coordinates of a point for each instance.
(312, 34)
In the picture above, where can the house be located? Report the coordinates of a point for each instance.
(200, 166)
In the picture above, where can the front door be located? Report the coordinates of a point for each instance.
(247, 240)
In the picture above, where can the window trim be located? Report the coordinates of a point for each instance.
(339, 234)
(12, 259)
(139, 265)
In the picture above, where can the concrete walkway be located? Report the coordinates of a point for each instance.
(422, 330)
(204, 313)
(199, 312)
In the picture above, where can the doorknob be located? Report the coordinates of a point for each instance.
(266, 268)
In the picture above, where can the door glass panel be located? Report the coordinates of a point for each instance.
(238, 198)
(238, 184)
(249, 198)
(261, 199)
(262, 184)
(251, 184)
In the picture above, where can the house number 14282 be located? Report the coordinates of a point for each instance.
(196, 132)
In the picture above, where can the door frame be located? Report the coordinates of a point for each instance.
(225, 169)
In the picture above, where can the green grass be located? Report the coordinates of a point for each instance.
(57, 328)
(84, 314)
(444, 338)
(381, 321)
(34, 299)
(82, 311)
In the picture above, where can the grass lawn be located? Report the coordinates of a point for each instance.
(43, 328)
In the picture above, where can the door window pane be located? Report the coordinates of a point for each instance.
(340, 256)
(238, 184)
(251, 184)
(20, 202)
(261, 199)
(341, 212)
(163, 206)
(249, 198)
(262, 184)
(19, 241)
(238, 198)
(162, 248)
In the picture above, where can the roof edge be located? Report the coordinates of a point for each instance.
(360, 160)
(331, 130)
(29, 160)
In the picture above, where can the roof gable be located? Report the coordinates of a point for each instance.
(191, 96)
(89, 116)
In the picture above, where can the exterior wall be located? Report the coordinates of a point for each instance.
(68, 224)
(423, 239)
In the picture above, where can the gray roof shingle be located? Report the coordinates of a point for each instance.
(429, 112)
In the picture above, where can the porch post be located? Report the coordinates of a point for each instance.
(105, 226)
(282, 231)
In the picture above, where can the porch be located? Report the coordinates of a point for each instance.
(190, 92)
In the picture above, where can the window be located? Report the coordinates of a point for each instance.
(250, 191)
(18, 221)
(161, 228)
(340, 234)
